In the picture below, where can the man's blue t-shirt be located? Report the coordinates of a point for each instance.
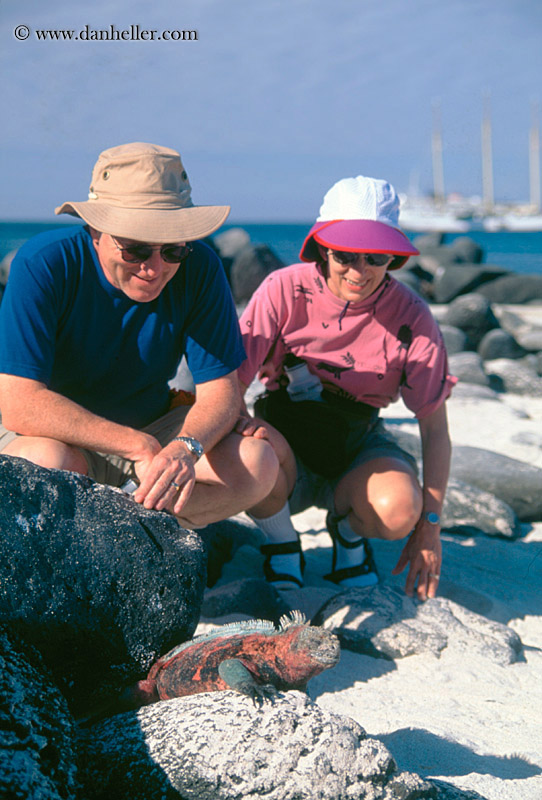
(63, 324)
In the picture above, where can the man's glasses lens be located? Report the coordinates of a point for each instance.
(170, 253)
(373, 259)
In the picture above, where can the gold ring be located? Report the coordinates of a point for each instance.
(176, 485)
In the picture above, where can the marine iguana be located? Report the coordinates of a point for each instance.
(252, 657)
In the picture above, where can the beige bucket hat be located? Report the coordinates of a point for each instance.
(141, 191)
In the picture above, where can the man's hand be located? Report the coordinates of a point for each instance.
(167, 479)
(423, 551)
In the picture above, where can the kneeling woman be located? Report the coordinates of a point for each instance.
(366, 340)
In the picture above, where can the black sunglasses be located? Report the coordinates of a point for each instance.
(139, 253)
(372, 259)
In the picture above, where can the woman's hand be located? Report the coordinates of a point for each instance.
(248, 426)
(423, 551)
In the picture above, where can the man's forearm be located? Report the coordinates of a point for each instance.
(31, 409)
(214, 413)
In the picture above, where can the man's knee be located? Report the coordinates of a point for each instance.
(260, 462)
(48, 453)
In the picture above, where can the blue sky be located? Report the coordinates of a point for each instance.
(275, 101)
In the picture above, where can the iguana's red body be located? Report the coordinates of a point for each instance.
(284, 659)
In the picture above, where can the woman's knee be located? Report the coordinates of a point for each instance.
(386, 500)
(396, 514)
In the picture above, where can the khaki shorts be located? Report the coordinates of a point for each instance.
(115, 470)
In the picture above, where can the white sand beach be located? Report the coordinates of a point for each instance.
(460, 717)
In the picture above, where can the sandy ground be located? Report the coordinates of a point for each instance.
(459, 718)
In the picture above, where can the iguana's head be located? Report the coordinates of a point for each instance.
(317, 646)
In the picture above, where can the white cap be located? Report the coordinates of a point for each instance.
(361, 198)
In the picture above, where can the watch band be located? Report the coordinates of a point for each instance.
(195, 447)
(432, 517)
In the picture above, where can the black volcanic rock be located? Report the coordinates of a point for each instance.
(98, 584)
(472, 313)
(250, 266)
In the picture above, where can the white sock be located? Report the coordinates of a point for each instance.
(352, 556)
(278, 529)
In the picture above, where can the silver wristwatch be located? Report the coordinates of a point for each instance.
(195, 447)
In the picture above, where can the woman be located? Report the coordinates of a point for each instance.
(368, 339)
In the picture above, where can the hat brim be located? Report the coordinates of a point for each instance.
(358, 235)
(160, 226)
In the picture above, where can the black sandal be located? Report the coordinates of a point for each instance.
(282, 549)
(367, 566)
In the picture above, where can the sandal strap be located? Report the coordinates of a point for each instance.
(281, 548)
(338, 575)
(273, 577)
(332, 523)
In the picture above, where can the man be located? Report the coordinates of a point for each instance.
(93, 325)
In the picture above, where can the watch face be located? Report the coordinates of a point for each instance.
(433, 518)
(195, 446)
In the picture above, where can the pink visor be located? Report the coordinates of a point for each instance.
(358, 235)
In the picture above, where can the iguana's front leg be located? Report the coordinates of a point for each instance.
(238, 677)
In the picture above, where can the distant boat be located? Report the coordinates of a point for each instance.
(456, 214)
(522, 223)
(512, 217)
(419, 214)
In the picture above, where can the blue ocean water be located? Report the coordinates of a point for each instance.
(518, 252)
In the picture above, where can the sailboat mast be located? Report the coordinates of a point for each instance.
(436, 150)
(534, 160)
(487, 158)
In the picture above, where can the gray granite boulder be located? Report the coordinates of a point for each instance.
(229, 244)
(474, 391)
(468, 510)
(468, 367)
(428, 240)
(250, 266)
(434, 259)
(410, 279)
(513, 289)
(527, 335)
(517, 377)
(531, 340)
(512, 481)
(385, 623)
(98, 584)
(467, 249)
(455, 339)
(472, 313)
(458, 279)
(219, 746)
(499, 344)
(37, 753)
(516, 483)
